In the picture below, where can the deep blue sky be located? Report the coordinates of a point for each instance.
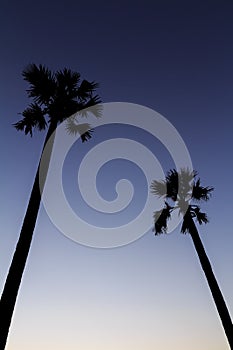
(176, 58)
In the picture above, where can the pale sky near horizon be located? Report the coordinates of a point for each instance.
(175, 58)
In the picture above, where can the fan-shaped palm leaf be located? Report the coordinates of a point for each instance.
(92, 106)
(33, 117)
(172, 182)
(200, 216)
(160, 219)
(201, 193)
(83, 129)
(67, 79)
(159, 188)
(186, 179)
(42, 83)
(86, 89)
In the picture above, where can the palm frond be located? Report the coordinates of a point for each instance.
(96, 107)
(20, 125)
(186, 179)
(42, 83)
(86, 89)
(159, 188)
(67, 77)
(177, 184)
(172, 184)
(83, 129)
(92, 106)
(200, 216)
(36, 113)
(180, 187)
(67, 84)
(160, 219)
(201, 193)
(33, 117)
(24, 125)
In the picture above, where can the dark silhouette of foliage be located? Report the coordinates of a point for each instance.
(56, 96)
(180, 190)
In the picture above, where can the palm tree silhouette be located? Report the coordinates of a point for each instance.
(178, 191)
(56, 96)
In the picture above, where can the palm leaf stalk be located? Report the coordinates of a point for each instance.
(181, 190)
(56, 96)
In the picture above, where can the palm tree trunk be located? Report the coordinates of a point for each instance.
(14, 277)
(213, 284)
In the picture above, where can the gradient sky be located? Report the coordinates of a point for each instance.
(176, 58)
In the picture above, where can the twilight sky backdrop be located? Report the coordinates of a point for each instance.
(176, 58)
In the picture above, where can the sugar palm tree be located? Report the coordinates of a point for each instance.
(181, 190)
(56, 96)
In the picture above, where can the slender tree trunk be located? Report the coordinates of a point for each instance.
(213, 284)
(14, 277)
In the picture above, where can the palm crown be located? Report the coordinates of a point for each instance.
(179, 190)
(57, 96)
